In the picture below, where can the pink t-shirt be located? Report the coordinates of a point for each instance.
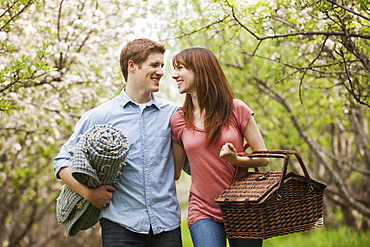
(210, 174)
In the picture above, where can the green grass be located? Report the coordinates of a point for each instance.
(319, 237)
(186, 239)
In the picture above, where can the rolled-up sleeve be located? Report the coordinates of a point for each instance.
(67, 151)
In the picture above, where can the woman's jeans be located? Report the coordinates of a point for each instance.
(208, 233)
(114, 235)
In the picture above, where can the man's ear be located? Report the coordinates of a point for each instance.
(131, 65)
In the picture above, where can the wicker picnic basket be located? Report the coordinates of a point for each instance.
(262, 205)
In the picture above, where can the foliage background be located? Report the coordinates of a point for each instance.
(302, 66)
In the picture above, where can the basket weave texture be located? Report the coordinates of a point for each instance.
(255, 207)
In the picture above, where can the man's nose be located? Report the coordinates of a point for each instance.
(160, 71)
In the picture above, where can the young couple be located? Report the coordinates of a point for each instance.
(142, 208)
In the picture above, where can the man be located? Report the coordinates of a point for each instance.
(142, 208)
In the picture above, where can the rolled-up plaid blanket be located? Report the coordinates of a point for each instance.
(99, 156)
(97, 160)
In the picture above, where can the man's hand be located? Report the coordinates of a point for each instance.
(100, 196)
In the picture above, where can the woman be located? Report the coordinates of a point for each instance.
(210, 129)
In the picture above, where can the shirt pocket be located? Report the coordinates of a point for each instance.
(163, 143)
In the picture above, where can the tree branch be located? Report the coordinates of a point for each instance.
(349, 10)
(12, 18)
(313, 146)
(303, 33)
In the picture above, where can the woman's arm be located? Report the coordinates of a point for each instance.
(179, 158)
(254, 138)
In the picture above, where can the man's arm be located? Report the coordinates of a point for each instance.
(99, 196)
(179, 158)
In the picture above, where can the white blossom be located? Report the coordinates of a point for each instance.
(3, 36)
(17, 146)
(275, 56)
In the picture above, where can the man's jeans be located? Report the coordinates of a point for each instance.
(114, 235)
(208, 233)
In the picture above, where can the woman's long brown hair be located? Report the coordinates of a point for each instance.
(214, 93)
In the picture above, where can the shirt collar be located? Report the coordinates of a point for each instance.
(124, 99)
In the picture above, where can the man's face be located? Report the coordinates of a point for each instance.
(151, 71)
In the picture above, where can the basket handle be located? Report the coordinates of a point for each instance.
(283, 154)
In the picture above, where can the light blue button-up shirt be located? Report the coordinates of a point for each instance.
(145, 193)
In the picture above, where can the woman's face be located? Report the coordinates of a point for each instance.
(185, 79)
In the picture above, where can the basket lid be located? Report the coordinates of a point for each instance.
(256, 186)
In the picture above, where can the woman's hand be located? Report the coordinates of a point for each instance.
(228, 153)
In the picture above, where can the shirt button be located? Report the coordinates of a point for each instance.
(145, 150)
(146, 169)
(148, 188)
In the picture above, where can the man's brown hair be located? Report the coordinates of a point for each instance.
(138, 51)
